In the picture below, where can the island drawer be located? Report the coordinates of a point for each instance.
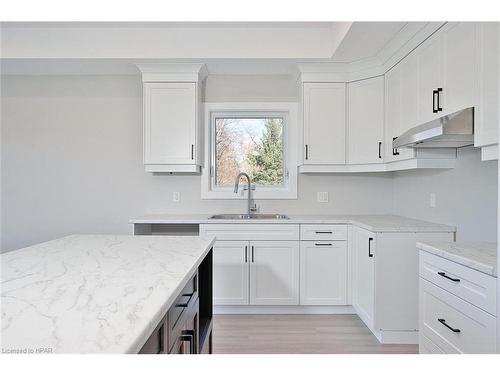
(454, 325)
(156, 342)
(471, 285)
(183, 303)
(251, 232)
(323, 232)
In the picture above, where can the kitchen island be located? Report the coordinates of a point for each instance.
(108, 294)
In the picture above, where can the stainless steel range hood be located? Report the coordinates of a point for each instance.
(454, 130)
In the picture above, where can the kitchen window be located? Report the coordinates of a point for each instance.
(254, 141)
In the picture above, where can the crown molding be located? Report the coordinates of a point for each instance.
(168, 72)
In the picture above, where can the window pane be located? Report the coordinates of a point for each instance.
(251, 145)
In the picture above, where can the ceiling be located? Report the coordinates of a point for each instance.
(226, 48)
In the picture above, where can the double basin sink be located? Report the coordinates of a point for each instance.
(249, 217)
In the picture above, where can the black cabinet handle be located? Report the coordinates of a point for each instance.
(443, 322)
(370, 254)
(192, 152)
(380, 150)
(253, 257)
(323, 244)
(187, 294)
(438, 94)
(323, 232)
(434, 109)
(246, 254)
(188, 335)
(448, 277)
(395, 150)
(307, 152)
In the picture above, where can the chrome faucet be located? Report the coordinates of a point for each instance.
(251, 206)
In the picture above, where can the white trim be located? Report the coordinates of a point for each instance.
(397, 337)
(253, 309)
(172, 72)
(290, 133)
(489, 152)
(379, 167)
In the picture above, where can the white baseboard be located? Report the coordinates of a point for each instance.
(246, 309)
(398, 337)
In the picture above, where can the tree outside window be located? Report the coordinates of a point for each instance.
(251, 145)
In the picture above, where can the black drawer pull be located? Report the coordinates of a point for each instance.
(448, 277)
(434, 109)
(188, 335)
(188, 294)
(380, 150)
(443, 322)
(182, 305)
(323, 244)
(323, 232)
(370, 254)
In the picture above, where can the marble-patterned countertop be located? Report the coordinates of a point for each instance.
(374, 223)
(481, 256)
(93, 293)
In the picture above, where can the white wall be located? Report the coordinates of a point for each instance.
(466, 196)
(72, 161)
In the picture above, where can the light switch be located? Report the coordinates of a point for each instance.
(176, 196)
(432, 200)
(322, 196)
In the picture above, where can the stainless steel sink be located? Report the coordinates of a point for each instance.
(249, 217)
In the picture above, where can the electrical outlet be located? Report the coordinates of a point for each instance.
(322, 196)
(176, 196)
(432, 200)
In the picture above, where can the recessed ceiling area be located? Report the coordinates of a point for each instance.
(226, 48)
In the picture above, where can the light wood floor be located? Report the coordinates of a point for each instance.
(297, 334)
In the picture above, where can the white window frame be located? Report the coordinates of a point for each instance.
(289, 111)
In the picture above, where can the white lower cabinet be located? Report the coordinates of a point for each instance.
(385, 281)
(231, 272)
(323, 273)
(256, 273)
(457, 308)
(274, 272)
(364, 274)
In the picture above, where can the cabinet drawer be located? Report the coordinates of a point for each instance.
(323, 232)
(441, 313)
(251, 232)
(473, 286)
(182, 304)
(426, 346)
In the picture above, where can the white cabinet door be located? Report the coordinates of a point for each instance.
(365, 127)
(487, 112)
(408, 71)
(394, 116)
(460, 68)
(364, 250)
(231, 273)
(324, 123)
(274, 272)
(323, 273)
(170, 116)
(430, 78)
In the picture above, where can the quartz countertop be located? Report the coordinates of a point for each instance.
(374, 223)
(480, 256)
(93, 293)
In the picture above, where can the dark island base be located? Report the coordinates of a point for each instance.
(187, 327)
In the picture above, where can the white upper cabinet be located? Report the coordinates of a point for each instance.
(324, 123)
(430, 78)
(170, 117)
(395, 98)
(172, 136)
(408, 73)
(365, 129)
(487, 113)
(460, 67)
(447, 71)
